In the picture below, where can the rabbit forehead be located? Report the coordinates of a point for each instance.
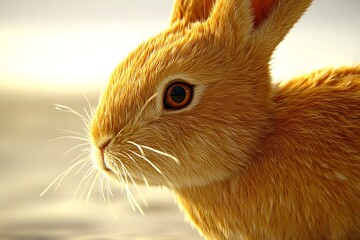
(141, 75)
(194, 55)
(168, 56)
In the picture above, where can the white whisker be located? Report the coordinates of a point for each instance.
(102, 188)
(81, 155)
(70, 137)
(70, 110)
(131, 158)
(109, 189)
(108, 198)
(82, 166)
(61, 176)
(87, 182)
(89, 105)
(73, 148)
(136, 185)
(147, 160)
(130, 194)
(121, 179)
(161, 153)
(86, 130)
(92, 186)
(138, 146)
(72, 132)
(146, 182)
(144, 106)
(118, 134)
(87, 114)
(86, 175)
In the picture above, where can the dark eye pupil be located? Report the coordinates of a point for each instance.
(178, 94)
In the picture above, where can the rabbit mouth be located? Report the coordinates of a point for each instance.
(109, 167)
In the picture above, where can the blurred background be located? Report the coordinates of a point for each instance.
(53, 51)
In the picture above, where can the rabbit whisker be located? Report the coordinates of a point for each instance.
(118, 134)
(147, 160)
(92, 186)
(88, 173)
(144, 106)
(62, 176)
(146, 182)
(72, 132)
(69, 137)
(108, 192)
(121, 182)
(83, 160)
(135, 184)
(86, 130)
(87, 114)
(73, 148)
(140, 170)
(86, 152)
(70, 110)
(133, 200)
(144, 178)
(138, 146)
(82, 166)
(132, 159)
(89, 105)
(87, 182)
(109, 188)
(161, 153)
(126, 185)
(151, 163)
(102, 188)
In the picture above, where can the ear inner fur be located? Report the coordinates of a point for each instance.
(261, 9)
(260, 25)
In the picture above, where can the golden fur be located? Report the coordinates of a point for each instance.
(246, 160)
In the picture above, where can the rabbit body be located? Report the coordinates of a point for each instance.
(304, 180)
(245, 159)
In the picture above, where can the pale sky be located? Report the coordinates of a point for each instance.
(75, 44)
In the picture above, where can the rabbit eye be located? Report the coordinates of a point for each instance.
(178, 95)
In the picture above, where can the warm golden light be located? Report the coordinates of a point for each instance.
(52, 50)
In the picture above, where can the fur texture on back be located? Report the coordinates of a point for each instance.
(245, 159)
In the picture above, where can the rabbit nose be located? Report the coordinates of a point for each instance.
(101, 155)
(103, 146)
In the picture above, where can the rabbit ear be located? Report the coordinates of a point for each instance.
(190, 11)
(272, 25)
(264, 22)
(261, 9)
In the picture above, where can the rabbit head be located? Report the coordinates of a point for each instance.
(192, 104)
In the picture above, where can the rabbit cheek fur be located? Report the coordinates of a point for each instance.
(245, 160)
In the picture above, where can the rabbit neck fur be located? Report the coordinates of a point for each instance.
(310, 159)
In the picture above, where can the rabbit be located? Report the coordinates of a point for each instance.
(193, 109)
